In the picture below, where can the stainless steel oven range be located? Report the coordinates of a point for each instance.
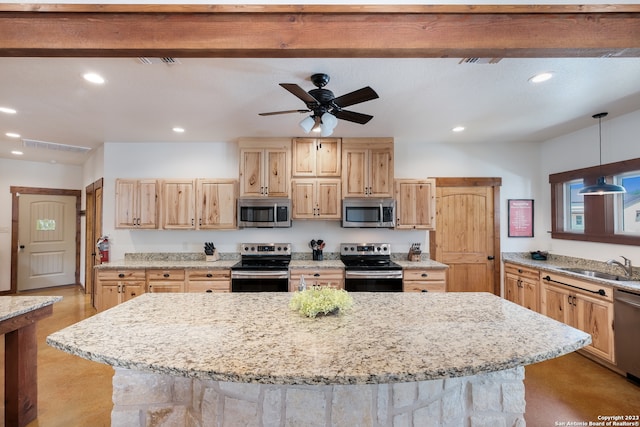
(263, 267)
(368, 268)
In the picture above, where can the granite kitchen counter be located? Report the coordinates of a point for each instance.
(308, 263)
(425, 263)
(165, 264)
(555, 264)
(256, 338)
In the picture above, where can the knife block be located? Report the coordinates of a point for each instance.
(212, 258)
(415, 256)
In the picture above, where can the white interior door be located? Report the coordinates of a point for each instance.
(47, 239)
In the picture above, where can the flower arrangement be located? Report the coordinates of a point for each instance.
(320, 300)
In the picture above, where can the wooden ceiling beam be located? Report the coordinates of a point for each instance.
(328, 31)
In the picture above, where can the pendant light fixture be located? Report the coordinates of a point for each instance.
(601, 187)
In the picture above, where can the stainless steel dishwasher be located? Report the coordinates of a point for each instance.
(627, 332)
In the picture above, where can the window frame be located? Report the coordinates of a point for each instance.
(599, 211)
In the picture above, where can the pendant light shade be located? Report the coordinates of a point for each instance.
(601, 187)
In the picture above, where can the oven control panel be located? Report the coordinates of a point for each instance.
(347, 249)
(265, 249)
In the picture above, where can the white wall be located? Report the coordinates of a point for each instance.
(20, 173)
(581, 149)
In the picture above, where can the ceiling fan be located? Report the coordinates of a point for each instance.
(325, 106)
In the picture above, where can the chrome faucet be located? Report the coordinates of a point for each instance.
(628, 268)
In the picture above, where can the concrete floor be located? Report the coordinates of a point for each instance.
(76, 392)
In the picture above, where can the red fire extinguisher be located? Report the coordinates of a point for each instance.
(103, 248)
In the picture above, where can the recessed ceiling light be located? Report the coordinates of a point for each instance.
(458, 129)
(541, 77)
(178, 129)
(12, 135)
(93, 78)
(17, 153)
(7, 110)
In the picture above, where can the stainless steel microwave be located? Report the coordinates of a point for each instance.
(369, 213)
(264, 212)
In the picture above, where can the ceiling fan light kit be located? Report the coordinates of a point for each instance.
(601, 187)
(326, 109)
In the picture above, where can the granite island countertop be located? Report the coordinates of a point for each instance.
(256, 338)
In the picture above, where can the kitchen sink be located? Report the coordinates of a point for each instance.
(593, 273)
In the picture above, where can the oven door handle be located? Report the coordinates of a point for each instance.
(374, 274)
(260, 274)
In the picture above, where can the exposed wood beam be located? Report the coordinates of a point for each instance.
(319, 31)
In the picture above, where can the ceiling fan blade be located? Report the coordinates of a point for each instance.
(272, 113)
(356, 97)
(299, 92)
(352, 116)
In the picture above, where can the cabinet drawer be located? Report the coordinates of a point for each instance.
(523, 272)
(423, 286)
(209, 286)
(424, 275)
(120, 275)
(165, 286)
(169, 274)
(316, 273)
(217, 274)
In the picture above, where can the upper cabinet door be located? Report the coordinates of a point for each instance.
(416, 203)
(277, 175)
(251, 172)
(354, 172)
(178, 204)
(216, 204)
(147, 203)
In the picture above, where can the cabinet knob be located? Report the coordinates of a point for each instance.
(424, 275)
(208, 291)
(316, 275)
(165, 275)
(121, 275)
(424, 290)
(209, 275)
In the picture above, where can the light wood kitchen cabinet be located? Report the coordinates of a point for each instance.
(216, 204)
(415, 204)
(136, 203)
(522, 286)
(117, 286)
(579, 303)
(332, 277)
(316, 157)
(367, 167)
(316, 198)
(265, 167)
(424, 280)
(178, 204)
(165, 280)
(209, 280)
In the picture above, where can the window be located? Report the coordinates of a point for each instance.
(628, 207)
(574, 206)
(613, 218)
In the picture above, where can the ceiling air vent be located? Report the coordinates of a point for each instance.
(43, 145)
(480, 60)
(152, 61)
